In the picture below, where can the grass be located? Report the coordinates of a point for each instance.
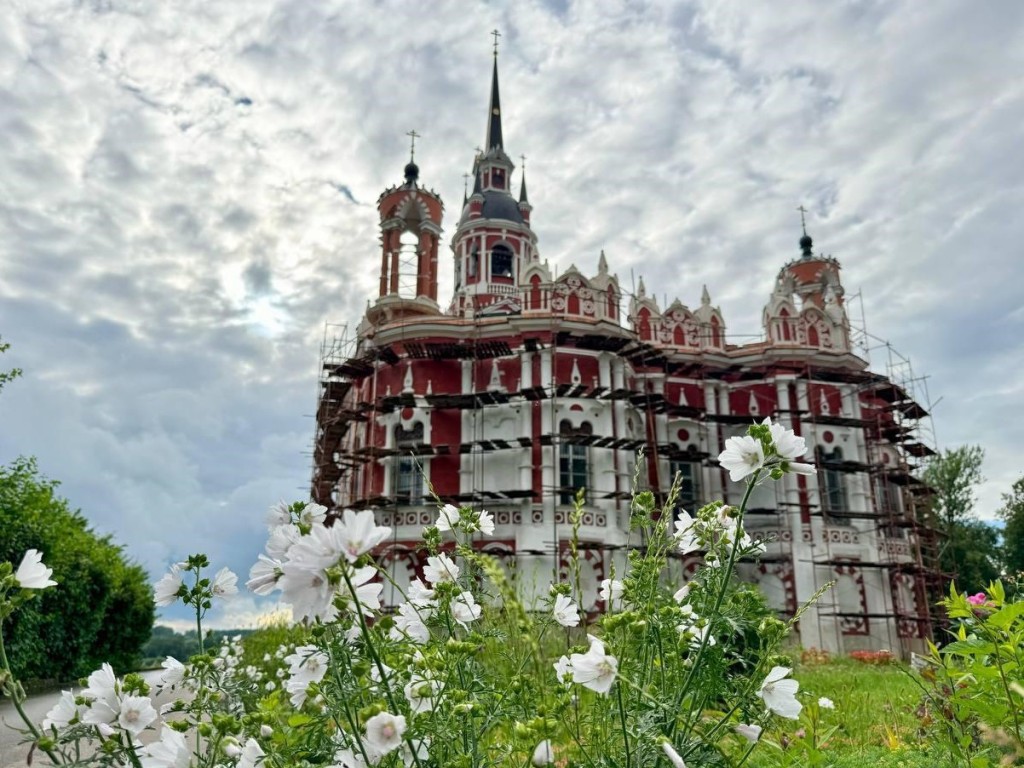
(875, 714)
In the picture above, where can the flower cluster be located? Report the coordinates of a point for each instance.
(767, 446)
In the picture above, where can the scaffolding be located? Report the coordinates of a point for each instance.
(882, 410)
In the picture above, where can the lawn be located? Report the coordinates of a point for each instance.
(874, 711)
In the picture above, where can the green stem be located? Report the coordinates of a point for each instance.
(719, 598)
(622, 717)
(372, 650)
(16, 698)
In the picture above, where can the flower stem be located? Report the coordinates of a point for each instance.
(17, 693)
(622, 717)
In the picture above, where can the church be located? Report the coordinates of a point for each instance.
(529, 385)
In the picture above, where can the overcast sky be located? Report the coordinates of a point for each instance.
(187, 196)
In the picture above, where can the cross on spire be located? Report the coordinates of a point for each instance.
(803, 222)
(523, 158)
(412, 147)
(465, 183)
(495, 34)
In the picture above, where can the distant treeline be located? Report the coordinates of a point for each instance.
(166, 642)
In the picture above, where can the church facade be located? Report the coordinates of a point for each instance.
(528, 386)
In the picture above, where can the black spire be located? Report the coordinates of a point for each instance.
(522, 187)
(494, 116)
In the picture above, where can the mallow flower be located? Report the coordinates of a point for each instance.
(742, 456)
(224, 584)
(165, 591)
(32, 574)
(566, 612)
(594, 669)
(359, 533)
(779, 694)
(384, 732)
(170, 752)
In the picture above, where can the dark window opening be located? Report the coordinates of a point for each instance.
(573, 461)
(501, 262)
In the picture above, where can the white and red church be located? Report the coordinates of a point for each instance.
(530, 385)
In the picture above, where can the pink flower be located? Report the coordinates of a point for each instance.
(979, 599)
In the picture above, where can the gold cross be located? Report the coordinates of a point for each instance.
(412, 149)
(803, 223)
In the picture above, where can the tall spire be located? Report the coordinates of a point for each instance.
(522, 186)
(494, 138)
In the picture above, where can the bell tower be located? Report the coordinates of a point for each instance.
(493, 244)
(410, 232)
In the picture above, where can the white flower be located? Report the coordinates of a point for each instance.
(422, 747)
(307, 665)
(786, 442)
(367, 592)
(826, 703)
(279, 514)
(800, 468)
(409, 623)
(594, 669)
(464, 608)
(308, 591)
(231, 749)
(282, 539)
(682, 594)
(420, 595)
(101, 690)
(165, 591)
(611, 593)
(266, 731)
(313, 514)
(32, 574)
(485, 523)
(439, 569)
(672, 755)
(566, 612)
(742, 456)
(543, 754)
(174, 672)
(359, 533)
(448, 517)
(563, 670)
(225, 584)
(252, 754)
(170, 752)
(136, 713)
(686, 534)
(263, 575)
(779, 695)
(384, 732)
(63, 712)
(750, 732)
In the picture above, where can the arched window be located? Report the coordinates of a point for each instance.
(716, 332)
(784, 322)
(407, 482)
(501, 262)
(473, 263)
(573, 460)
(408, 263)
(830, 482)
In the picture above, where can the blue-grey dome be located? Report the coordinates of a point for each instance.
(498, 205)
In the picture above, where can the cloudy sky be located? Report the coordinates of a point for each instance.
(187, 196)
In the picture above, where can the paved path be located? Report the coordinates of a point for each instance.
(13, 754)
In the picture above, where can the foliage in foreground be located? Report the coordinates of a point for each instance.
(462, 674)
(103, 611)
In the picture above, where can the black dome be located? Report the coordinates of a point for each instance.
(498, 205)
(412, 172)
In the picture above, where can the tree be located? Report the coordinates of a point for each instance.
(7, 376)
(1012, 513)
(970, 549)
(102, 609)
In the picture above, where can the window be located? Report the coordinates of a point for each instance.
(830, 480)
(573, 470)
(501, 262)
(407, 482)
(408, 263)
(689, 499)
(887, 495)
